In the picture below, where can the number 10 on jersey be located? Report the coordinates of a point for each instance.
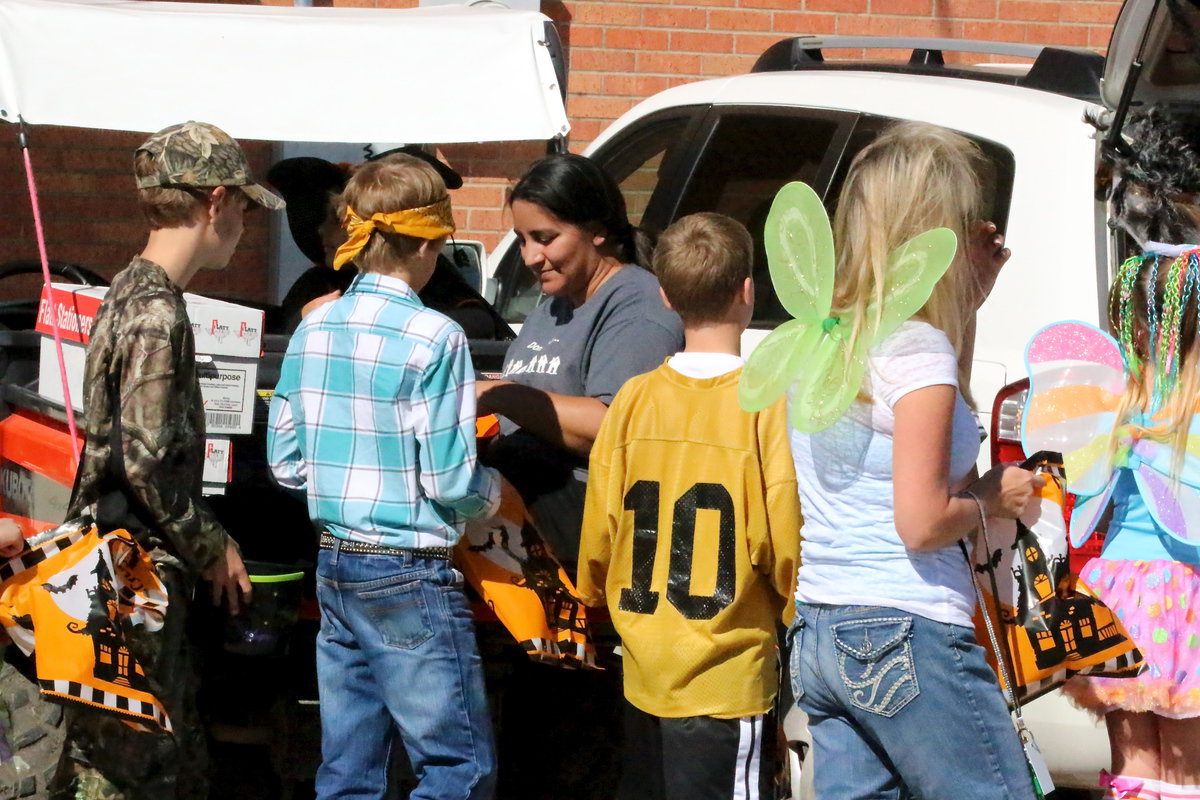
(643, 500)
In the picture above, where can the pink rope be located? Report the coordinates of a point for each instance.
(58, 347)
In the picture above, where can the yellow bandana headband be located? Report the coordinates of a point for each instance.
(427, 222)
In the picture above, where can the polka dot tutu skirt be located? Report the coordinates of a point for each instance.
(1156, 600)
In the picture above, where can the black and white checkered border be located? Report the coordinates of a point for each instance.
(75, 692)
(1121, 666)
(31, 558)
(1116, 667)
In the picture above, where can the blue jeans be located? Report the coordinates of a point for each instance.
(899, 705)
(397, 653)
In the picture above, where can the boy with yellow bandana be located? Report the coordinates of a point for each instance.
(374, 421)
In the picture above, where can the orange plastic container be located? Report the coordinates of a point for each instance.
(37, 470)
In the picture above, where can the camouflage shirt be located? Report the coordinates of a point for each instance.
(142, 337)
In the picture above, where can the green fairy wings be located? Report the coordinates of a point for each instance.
(812, 356)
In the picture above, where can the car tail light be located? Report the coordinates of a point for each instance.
(1078, 557)
(1007, 412)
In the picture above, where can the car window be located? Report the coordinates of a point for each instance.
(636, 161)
(749, 157)
(996, 175)
(866, 128)
(637, 164)
(752, 154)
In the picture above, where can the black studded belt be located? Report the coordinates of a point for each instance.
(329, 541)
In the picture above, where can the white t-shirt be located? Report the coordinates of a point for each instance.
(852, 554)
(703, 366)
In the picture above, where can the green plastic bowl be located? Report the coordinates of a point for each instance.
(262, 628)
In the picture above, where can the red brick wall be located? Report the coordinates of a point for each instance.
(90, 213)
(620, 53)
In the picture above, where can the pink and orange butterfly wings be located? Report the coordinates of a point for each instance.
(1076, 380)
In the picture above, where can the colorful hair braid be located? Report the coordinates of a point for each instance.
(1126, 278)
(1164, 321)
(1180, 282)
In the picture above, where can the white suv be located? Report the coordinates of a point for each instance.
(728, 145)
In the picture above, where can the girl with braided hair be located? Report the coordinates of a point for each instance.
(1147, 462)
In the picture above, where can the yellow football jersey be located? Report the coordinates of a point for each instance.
(691, 535)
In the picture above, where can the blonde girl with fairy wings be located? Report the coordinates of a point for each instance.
(884, 660)
(934, 191)
(1128, 437)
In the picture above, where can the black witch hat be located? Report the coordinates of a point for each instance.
(307, 183)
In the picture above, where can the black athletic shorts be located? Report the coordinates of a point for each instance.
(698, 758)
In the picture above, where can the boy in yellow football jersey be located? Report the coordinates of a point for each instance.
(691, 536)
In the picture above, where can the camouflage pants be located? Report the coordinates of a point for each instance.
(5, 724)
(106, 759)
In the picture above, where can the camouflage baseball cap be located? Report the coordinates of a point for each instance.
(202, 155)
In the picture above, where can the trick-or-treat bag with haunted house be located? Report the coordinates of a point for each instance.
(78, 597)
(510, 565)
(1050, 623)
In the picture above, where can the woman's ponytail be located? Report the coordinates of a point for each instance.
(639, 247)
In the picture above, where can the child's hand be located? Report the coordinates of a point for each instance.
(11, 540)
(229, 579)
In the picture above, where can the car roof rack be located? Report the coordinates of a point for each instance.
(1074, 72)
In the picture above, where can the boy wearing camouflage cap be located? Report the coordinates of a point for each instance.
(194, 186)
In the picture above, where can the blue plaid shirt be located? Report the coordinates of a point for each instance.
(374, 419)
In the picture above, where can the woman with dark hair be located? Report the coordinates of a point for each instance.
(603, 322)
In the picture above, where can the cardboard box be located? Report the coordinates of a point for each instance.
(49, 376)
(228, 344)
(224, 329)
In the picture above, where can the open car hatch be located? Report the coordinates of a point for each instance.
(1154, 54)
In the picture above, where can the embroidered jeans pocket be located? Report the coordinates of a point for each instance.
(875, 660)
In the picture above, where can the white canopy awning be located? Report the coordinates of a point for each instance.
(435, 75)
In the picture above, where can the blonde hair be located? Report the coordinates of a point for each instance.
(912, 178)
(392, 183)
(702, 260)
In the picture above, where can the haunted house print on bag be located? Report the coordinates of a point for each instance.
(1054, 625)
(74, 598)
